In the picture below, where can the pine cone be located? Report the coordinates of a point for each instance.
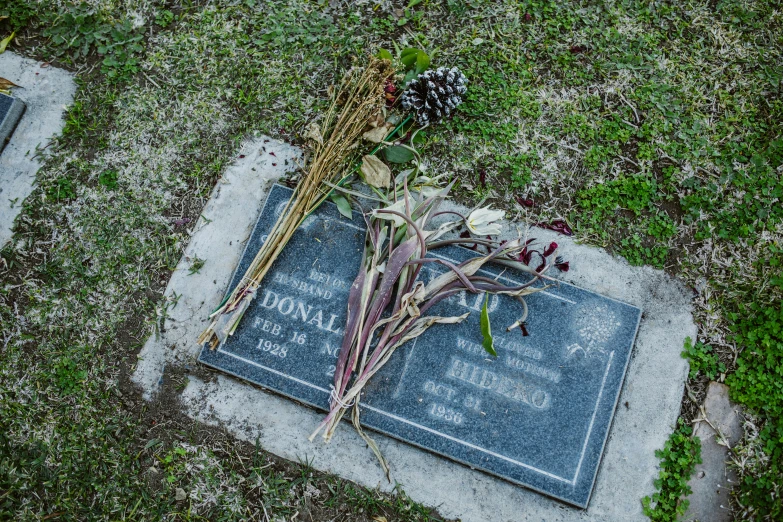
(435, 94)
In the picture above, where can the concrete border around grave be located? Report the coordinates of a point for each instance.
(46, 91)
(647, 410)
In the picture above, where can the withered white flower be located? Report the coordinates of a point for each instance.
(480, 221)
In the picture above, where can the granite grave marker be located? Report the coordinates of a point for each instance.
(11, 111)
(537, 415)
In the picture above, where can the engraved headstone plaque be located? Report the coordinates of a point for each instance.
(11, 110)
(537, 415)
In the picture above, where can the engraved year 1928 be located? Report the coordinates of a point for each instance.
(265, 345)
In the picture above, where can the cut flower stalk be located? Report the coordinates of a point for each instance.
(397, 242)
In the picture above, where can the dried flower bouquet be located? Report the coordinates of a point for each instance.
(399, 237)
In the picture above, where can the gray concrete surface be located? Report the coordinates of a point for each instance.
(46, 91)
(719, 429)
(648, 408)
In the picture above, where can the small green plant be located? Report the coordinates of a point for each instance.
(634, 250)
(164, 18)
(68, 375)
(518, 167)
(80, 30)
(60, 189)
(196, 266)
(174, 463)
(411, 60)
(702, 358)
(679, 457)
(758, 383)
(108, 178)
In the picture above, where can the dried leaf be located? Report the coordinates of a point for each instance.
(378, 134)
(468, 268)
(314, 133)
(380, 518)
(375, 172)
(6, 84)
(4, 43)
(423, 323)
(377, 120)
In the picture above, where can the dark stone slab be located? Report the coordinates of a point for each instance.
(537, 415)
(11, 111)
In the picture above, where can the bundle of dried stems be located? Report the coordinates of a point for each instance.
(357, 101)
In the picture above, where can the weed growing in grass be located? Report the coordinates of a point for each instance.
(77, 30)
(702, 358)
(758, 383)
(108, 178)
(69, 375)
(678, 460)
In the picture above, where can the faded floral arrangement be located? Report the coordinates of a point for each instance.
(388, 303)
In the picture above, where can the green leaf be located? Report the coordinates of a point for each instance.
(419, 137)
(342, 205)
(408, 77)
(5, 41)
(422, 62)
(383, 54)
(409, 56)
(397, 154)
(414, 2)
(486, 329)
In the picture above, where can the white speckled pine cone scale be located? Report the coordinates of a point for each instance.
(435, 94)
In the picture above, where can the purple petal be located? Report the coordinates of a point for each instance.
(558, 226)
(466, 235)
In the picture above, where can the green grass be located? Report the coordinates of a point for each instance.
(654, 129)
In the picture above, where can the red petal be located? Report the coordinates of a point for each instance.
(551, 248)
(563, 267)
